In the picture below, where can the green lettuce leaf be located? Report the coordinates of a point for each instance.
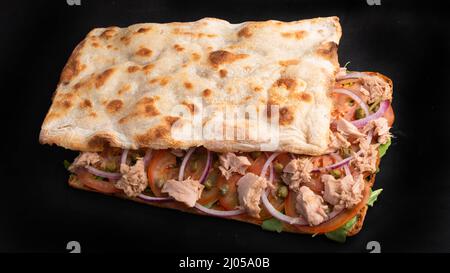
(384, 147)
(66, 164)
(272, 224)
(340, 234)
(373, 197)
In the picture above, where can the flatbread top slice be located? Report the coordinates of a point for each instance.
(125, 86)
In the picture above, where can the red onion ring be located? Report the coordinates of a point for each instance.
(271, 174)
(338, 158)
(153, 198)
(97, 172)
(280, 216)
(219, 213)
(207, 167)
(384, 105)
(275, 213)
(123, 158)
(344, 161)
(355, 97)
(184, 163)
(147, 157)
(333, 214)
(268, 163)
(197, 205)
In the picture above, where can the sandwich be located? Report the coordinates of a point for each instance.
(255, 122)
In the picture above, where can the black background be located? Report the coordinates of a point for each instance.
(405, 40)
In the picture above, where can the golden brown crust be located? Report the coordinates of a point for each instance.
(209, 61)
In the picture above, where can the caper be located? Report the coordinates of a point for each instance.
(208, 184)
(278, 167)
(346, 152)
(255, 155)
(359, 113)
(111, 166)
(351, 102)
(282, 191)
(336, 173)
(194, 166)
(147, 191)
(224, 189)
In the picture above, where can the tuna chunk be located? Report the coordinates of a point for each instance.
(134, 178)
(250, 189)
(346, 128)
(187, 191)
(367, 159)
(297, 172)
(85, 159)
(381, 129)
(343, 193)
(231, 163)
(338, 141)
(375, 88)
(311, 206)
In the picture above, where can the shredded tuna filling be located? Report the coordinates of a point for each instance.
(187, 191)
(250, 189)
(311, 206)
(339, 191)
(134, 178)
(297, 172)
(85, 159)
(231, 163)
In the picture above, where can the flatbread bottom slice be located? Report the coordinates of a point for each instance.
(74, 182)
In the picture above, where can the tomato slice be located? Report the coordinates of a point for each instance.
(333, 224)
(211, 195)
(283, 158)
(161, 168)
(344, 106)
(228, 191)
(277, 203)
(340, 219)
(88, 180)
(289, 205)
(389, 115)
(196, 164)
(257, 165)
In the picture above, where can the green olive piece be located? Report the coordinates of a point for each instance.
(224, 189)
(111, 166)
(282, 191)
(194, 166)
(359, 113)
(208, 184)
(346, 152)
(278, 167)
(336, 173)
(255, 155)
